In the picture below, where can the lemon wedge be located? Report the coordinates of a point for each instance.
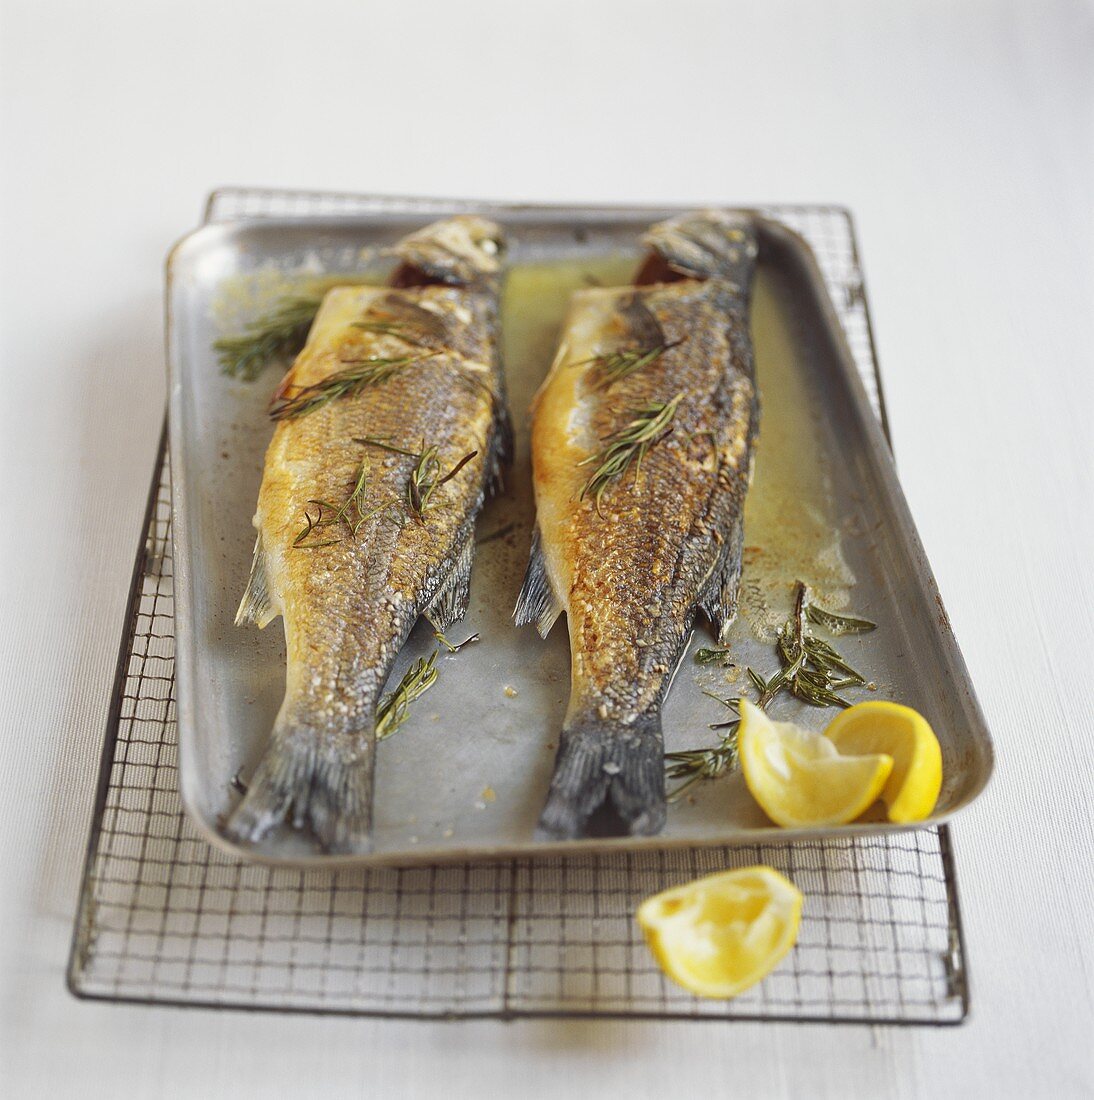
(911, 791)
(799, 778)
(722, 933)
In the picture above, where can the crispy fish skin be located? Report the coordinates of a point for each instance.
(666, 539)
(348, 606)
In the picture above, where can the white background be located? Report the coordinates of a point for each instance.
(960, 133)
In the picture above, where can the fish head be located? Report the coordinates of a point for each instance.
(711, 243)
(459, 250)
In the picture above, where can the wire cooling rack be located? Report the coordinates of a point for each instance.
(164, 918)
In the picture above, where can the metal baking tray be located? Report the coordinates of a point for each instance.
(466, 776)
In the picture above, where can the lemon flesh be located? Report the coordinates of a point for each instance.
(800, 778)
(722, 933)
(911, 791)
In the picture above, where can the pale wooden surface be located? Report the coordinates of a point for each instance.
(961, 135)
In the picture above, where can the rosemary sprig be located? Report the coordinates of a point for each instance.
(394, 708)
(358, 375)
(310, 524)
(719, 657)
(350, 512)
(693, 765)
(628, 445)
(615, 365)
(426, 477)
(811, 670)
(423, 481)
(276, 334)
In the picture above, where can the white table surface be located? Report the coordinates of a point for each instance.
(959, 133)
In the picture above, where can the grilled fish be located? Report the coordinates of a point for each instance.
(642, 441)
(391, 428)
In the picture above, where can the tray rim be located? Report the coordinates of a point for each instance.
(875, 428)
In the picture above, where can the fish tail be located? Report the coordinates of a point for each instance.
(324, 784)
(602, 764)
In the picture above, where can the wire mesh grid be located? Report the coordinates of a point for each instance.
(165, 918)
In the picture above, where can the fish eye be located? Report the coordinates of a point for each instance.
(490, 246)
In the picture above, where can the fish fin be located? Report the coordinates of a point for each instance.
(326, 786)
(450, 603)
(537, 602)
(602, 763)
(720, 598)
(257, 605)
(501, 450)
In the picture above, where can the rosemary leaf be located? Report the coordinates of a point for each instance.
(812, 678)
(838, 624)
(758, 681)
(374, 441)
(720, 657)
(454, 647)
(827, 659)
(816, 696)
(731, 702)
(300, 542)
